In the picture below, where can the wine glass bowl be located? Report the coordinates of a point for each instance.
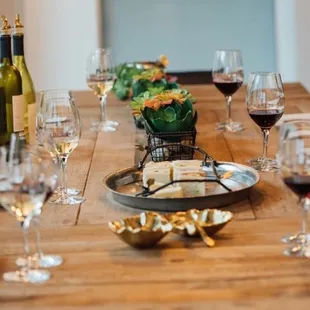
(228, 77)
(265, 105)
(100, 76)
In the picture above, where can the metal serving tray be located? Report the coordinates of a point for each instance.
(125, 186)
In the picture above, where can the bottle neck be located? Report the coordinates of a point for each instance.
(18, 45)
(5, 49)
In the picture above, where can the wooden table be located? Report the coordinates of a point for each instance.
(246, 270)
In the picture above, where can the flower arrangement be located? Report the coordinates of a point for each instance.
(125, 75)
(151, 78)
(165, 110)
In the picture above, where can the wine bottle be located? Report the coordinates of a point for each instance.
(19, 62)
(11, 97)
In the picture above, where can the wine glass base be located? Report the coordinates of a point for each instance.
(104, 128)
(108, 123)
(45, 261)
(71, 192)
(230, 126)
(29, 276)
(69, 200)
(297, 238)
(264, 165)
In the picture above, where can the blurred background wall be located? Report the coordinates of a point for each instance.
(272, 34)
(189, 31)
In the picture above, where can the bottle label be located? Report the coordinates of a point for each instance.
(18, 112)
(32, 115)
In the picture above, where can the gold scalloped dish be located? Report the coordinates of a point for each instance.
(142, 231)
(211, 220)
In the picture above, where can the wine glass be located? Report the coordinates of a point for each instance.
(22, 192)
(100, 76)
(50, 169)
(265, 104)
(294, 163)
(44, 98)
(286, 130)
(61, 132)
(227, 76)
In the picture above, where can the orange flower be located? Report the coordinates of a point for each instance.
(163, 99)
(151, 75)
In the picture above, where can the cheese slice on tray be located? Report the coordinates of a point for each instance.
(169, 192)
(191, 189)
(159, 174)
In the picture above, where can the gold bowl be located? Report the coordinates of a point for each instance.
(142, 231)
(210, 220)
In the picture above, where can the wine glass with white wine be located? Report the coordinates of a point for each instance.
(43, 100)
(22, 192)
(100, 76)
(61, 133)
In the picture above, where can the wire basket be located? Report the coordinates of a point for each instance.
(174, 152)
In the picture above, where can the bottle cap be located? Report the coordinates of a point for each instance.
(18, 26)
(5, 27)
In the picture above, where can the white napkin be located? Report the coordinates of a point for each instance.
(293, 117)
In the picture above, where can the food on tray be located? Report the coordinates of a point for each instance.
(191, 189)
(161, 173)
(169, 192)
(187, 164)
(152, 164)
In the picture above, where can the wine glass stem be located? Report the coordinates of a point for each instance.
(265, 144)
(36, 220)
(25, 226)
(63, 169)
(103, 106)
(228, 105)
(305, 210)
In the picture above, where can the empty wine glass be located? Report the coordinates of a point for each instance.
(227, 76)
(265, 104)
(61, 132)
(22, 192)
(51, 178)
(43, 99)
(294, 163)
(100, 76)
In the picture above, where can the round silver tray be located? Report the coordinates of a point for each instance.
(125, 184)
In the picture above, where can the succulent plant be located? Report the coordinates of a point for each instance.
(166, 111)
(125, 75)
(151, 78)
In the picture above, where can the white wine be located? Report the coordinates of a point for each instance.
(20, 204)
(65, 145)
(100, 84)
(27, 83)
(11, 98)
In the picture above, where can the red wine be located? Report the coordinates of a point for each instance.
(265, 119)
(300, 185)
(227, 88)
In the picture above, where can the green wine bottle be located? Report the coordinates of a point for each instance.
(27, 83)
(11, 97)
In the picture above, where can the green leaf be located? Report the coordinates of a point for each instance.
(169, 115)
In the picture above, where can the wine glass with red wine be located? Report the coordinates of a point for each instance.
(265, 104)
(294, 163)
(228, 76)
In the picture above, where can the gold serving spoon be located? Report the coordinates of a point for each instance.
(206, 239)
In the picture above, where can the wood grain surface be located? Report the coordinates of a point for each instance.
(246, 270)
